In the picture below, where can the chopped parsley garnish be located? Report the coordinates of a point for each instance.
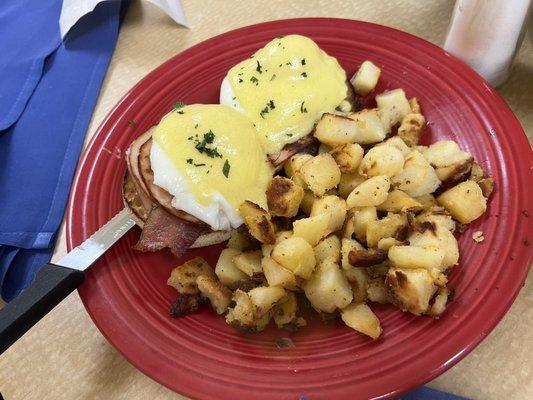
(303, 61)
(196, 126)
(234, 97)
(240, 80)
(289, 134)
(178, 106)
(259, 68)
(253, 79)
(271, 104)
(226, 168)
(289, 63)
(263, 112)
(281, 65)
(273, 77)
(304, 74)
(199, 165)
(189, 160)
(203, 146)
(303, 110)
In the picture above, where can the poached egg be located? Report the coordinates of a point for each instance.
(284, 88)
(210, 159)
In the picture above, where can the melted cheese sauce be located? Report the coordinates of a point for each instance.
(209, 157)
(284, 88)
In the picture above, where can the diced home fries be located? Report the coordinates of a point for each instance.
(368, 218)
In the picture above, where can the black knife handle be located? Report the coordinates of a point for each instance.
(52, 284)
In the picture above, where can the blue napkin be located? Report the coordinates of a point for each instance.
(425, 393)
(39, 152)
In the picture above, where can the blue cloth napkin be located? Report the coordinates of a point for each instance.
(425, 393)
(40, 150)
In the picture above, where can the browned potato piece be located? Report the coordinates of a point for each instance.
(297, 255)
(241, 239)
(283, 197)
(418, 176)
(394, 225)
(219, 295)
(242, 314)
(441, 238)
(455, 172)
(285, 312)
(258, 222)
(348, 183)
(334, 207)
(395, 103)
(312, 229)
(183, 277)
(227, 271)
(439, 302)
(377, 290)
(428, 257)
(364, 258)
(382, 160)
(411, 128)
(427, 201)
(347, 245)
(348, 157)
(362, 217)
(412, 289)
(329, 247)
(264, 298)
(321, 173)
(415, 105)
(396, 142)
(293, 164)
(399, 201)
(336, 130)
(464, 201)
(370, 128)
(249, 262)
(306, 204)
(366, 78)
(371, 192)
(357, 277)
(277, 275)
(360, 317)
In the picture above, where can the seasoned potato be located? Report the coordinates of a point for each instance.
(324, 148)
(241, 239)
(348, 157)
(439, 303)
(438, 217)
(264, 298)
(387, 243)
(219, 296)
(285, 311)
(183, 278)
(415, 105)
(313, 229)
(411, 289)
(371, 192)
(348, 183)
(369, 128)
(357, 278)
(399, 201)
(360, 317)
(258, 222)
(428, 257)
(366, 78)
(455, 172)
(396, 142)
(418, 177)
(329, 247)
(243, 312)
(464, 201)
(444, 153)
(366, 258)
(276, 275)
(336, 130)
(377, 291)
(306, 205)
(382, 160)
(227, 271)
(411, 127)
(394, 103)
(328, 288)
(362, 218)
(293, 164)
(427, 201)
(249, 262)
(394, 225)
(347, 245)
(297, 255)
(321, 173)
(443, 239)
(283, 197)
(334, 207)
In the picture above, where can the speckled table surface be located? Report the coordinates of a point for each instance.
(65, 357)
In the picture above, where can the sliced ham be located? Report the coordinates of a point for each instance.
(307, 144)
(132, 160)
(163, 230)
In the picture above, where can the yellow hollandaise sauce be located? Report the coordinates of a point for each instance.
(216, 149)
(285, 87)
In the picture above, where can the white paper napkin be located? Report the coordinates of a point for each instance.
(73, 10)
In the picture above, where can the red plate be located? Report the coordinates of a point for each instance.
(200, 355)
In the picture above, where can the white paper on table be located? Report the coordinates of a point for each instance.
(73, 10)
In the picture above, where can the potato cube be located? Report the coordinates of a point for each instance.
(415, 105)
(464, 201)
(399, 201)
(371, 192)
(297, 255)
(293, 164)
(428, 257)
(348, 157)
(328, 288)
(285, 311)
(264, 298)
(276, 275)
(329, 247)
(438, 217)
(362, 218)
(219, 295)
(444, 153)
(258, 222)
(358, 278)
(377, 291)
(369, 127)
(348, 183)
(439, 303)
(241, 239)
(306, 205)
(347, 245)
(312, 229)
(395, 103)
(360, 317)
(411, 127)
(387, 243)
(336, 130)
(443, 239)
(398, 143)
(183, 277)
(455, 172)
(249, 263)
(418, 177)
(366, 78)
(394, 225)
(242, 315)
(321, 173)
(283, 197)
(382, 160)
(411, 289)
(227, 271)
(427, 201)
(334, 207)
